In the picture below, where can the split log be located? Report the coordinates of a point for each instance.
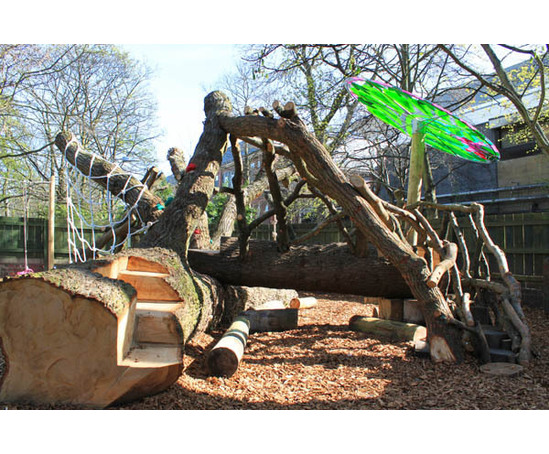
(224, 358)
(328, 268)
(303, 303)
(73, 335)
(396, 331)
(272, 319)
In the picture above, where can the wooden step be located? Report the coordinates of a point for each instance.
(140, 264)
(494, 336)
(153, 356)
(156, 323)
(150, 285)
(498, 355)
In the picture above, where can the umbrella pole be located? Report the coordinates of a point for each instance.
(415, 172)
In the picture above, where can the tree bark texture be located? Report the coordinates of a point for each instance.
(178, 222)
(80, 334)
(329, 268)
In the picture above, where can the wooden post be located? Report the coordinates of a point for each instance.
(415, 171)
(51, 225)
(224, 358)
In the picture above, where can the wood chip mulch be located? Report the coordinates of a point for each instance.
(323, 365)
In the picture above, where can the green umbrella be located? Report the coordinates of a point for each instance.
(426, 123)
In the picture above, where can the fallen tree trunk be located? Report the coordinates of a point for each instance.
(329, 268)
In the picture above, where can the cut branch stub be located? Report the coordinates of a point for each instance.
(288, 111)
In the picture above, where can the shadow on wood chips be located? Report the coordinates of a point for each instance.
(322, 365)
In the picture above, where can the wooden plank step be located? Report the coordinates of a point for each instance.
(153, 356)
(140, 264)
(150, 286)
(142, 273)
(494, 336)
(156, 323)
(498, 355)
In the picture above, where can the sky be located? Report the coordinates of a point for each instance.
(183, 75)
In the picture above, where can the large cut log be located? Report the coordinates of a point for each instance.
(271, 319)
(396, 331)
(224, 358)
(328, 268)
(92, 335)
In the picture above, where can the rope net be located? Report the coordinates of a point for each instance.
(99, 223)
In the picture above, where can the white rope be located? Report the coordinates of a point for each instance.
(86, 216)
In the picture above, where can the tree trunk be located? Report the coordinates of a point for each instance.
(110, 177)
(315, 164)
(328, 268)
(176, 226)
(98, 333)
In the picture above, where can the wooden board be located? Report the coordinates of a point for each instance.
(150, 286)
(156, 323)
(502, 369)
